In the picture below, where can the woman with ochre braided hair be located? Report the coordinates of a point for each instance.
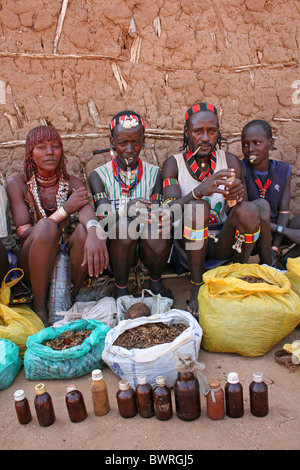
(126, 192)
(41, 200)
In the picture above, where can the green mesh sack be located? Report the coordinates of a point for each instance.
(42, 362)
(10, 363)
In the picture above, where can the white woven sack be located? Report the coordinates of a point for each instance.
(156, 360)
(155, 302)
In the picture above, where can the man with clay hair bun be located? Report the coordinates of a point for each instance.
(127, 193)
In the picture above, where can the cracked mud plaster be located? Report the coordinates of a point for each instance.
(157, 58)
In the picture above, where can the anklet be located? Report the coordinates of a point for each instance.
(121, 287)
(197, 283)
(155, 280)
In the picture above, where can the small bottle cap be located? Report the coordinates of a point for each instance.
(233, 378)
(19, 395)
(160, 380)
(257, 377)
(214, 384)
(124, 385)
(142, 379)
(97, 374)
(40, 389)
(71, 387)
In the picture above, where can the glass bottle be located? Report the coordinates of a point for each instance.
(162, 399)
(126, 400)
(43, 406)
(258, 390)
(22, 407)
(60, 285)
(234, 396)
(75, 404)
(99, 394)
(187, 396)
(215, 405)
(144, 395)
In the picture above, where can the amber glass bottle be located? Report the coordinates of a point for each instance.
(22, 407)
(187, 396)
(258, 390)
(144, 396)
(75, 404)
(215, 405)
(43, 406)
(99, 394)
(162, 399)
(126, 400)
(234, 396)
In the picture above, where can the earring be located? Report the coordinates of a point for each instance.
(112, 153)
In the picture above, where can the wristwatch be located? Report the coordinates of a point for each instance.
(279, 230)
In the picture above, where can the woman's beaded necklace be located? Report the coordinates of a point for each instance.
(61, 194)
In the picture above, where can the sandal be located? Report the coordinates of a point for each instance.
(285, 358)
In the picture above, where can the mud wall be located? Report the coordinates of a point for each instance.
(74, 64)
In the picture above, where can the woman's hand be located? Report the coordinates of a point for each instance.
(78, 199)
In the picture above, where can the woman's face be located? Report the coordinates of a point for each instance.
(256, 145)
(128, 144)
(46, 156)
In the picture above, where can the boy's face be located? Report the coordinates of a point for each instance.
(256, 145)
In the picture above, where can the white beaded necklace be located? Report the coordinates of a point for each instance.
(61, 195)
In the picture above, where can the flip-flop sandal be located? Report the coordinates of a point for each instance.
(284, 358)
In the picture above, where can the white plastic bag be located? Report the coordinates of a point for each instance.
(156, 360)
(105, 310)
(156, 303)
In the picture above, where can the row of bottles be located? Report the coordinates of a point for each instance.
(151, 402)
(158, 401)
(74, 401)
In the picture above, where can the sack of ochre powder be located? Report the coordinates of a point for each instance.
(155, 360)
(247, 317)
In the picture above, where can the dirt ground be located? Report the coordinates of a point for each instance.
(279, 430)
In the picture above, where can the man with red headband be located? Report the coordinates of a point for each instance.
(42, 199)
(208, 185)
(126, 191)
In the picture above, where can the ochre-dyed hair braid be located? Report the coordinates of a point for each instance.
(34, 137)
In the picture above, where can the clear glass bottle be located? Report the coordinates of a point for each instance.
(75, 404)
(215, 405)
(258, 391)
(187, 396)
(144, 395)
(126, 400)
(234, 396)
(43, 406)
(162, 399)
(22, 407)
(99, 394)
(60, 285)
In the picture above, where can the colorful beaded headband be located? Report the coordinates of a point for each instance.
(200, 107)
(128, 121)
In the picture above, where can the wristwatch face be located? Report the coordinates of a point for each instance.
(279, 229)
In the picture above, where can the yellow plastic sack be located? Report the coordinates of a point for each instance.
(17, 323)
(242, 317)
(293, 273)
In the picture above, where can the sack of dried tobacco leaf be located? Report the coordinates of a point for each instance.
(129, 351)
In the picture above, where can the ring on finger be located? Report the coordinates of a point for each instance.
(215, 183)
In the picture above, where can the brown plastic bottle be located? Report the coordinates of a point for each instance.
(22, 407)
(99, 394)
(75, 404)
(126, 400)
(258, 390)
(43, 406)
(234, 396)
(144, 396)
(215, 405)
(187, 396)
(162, 399)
